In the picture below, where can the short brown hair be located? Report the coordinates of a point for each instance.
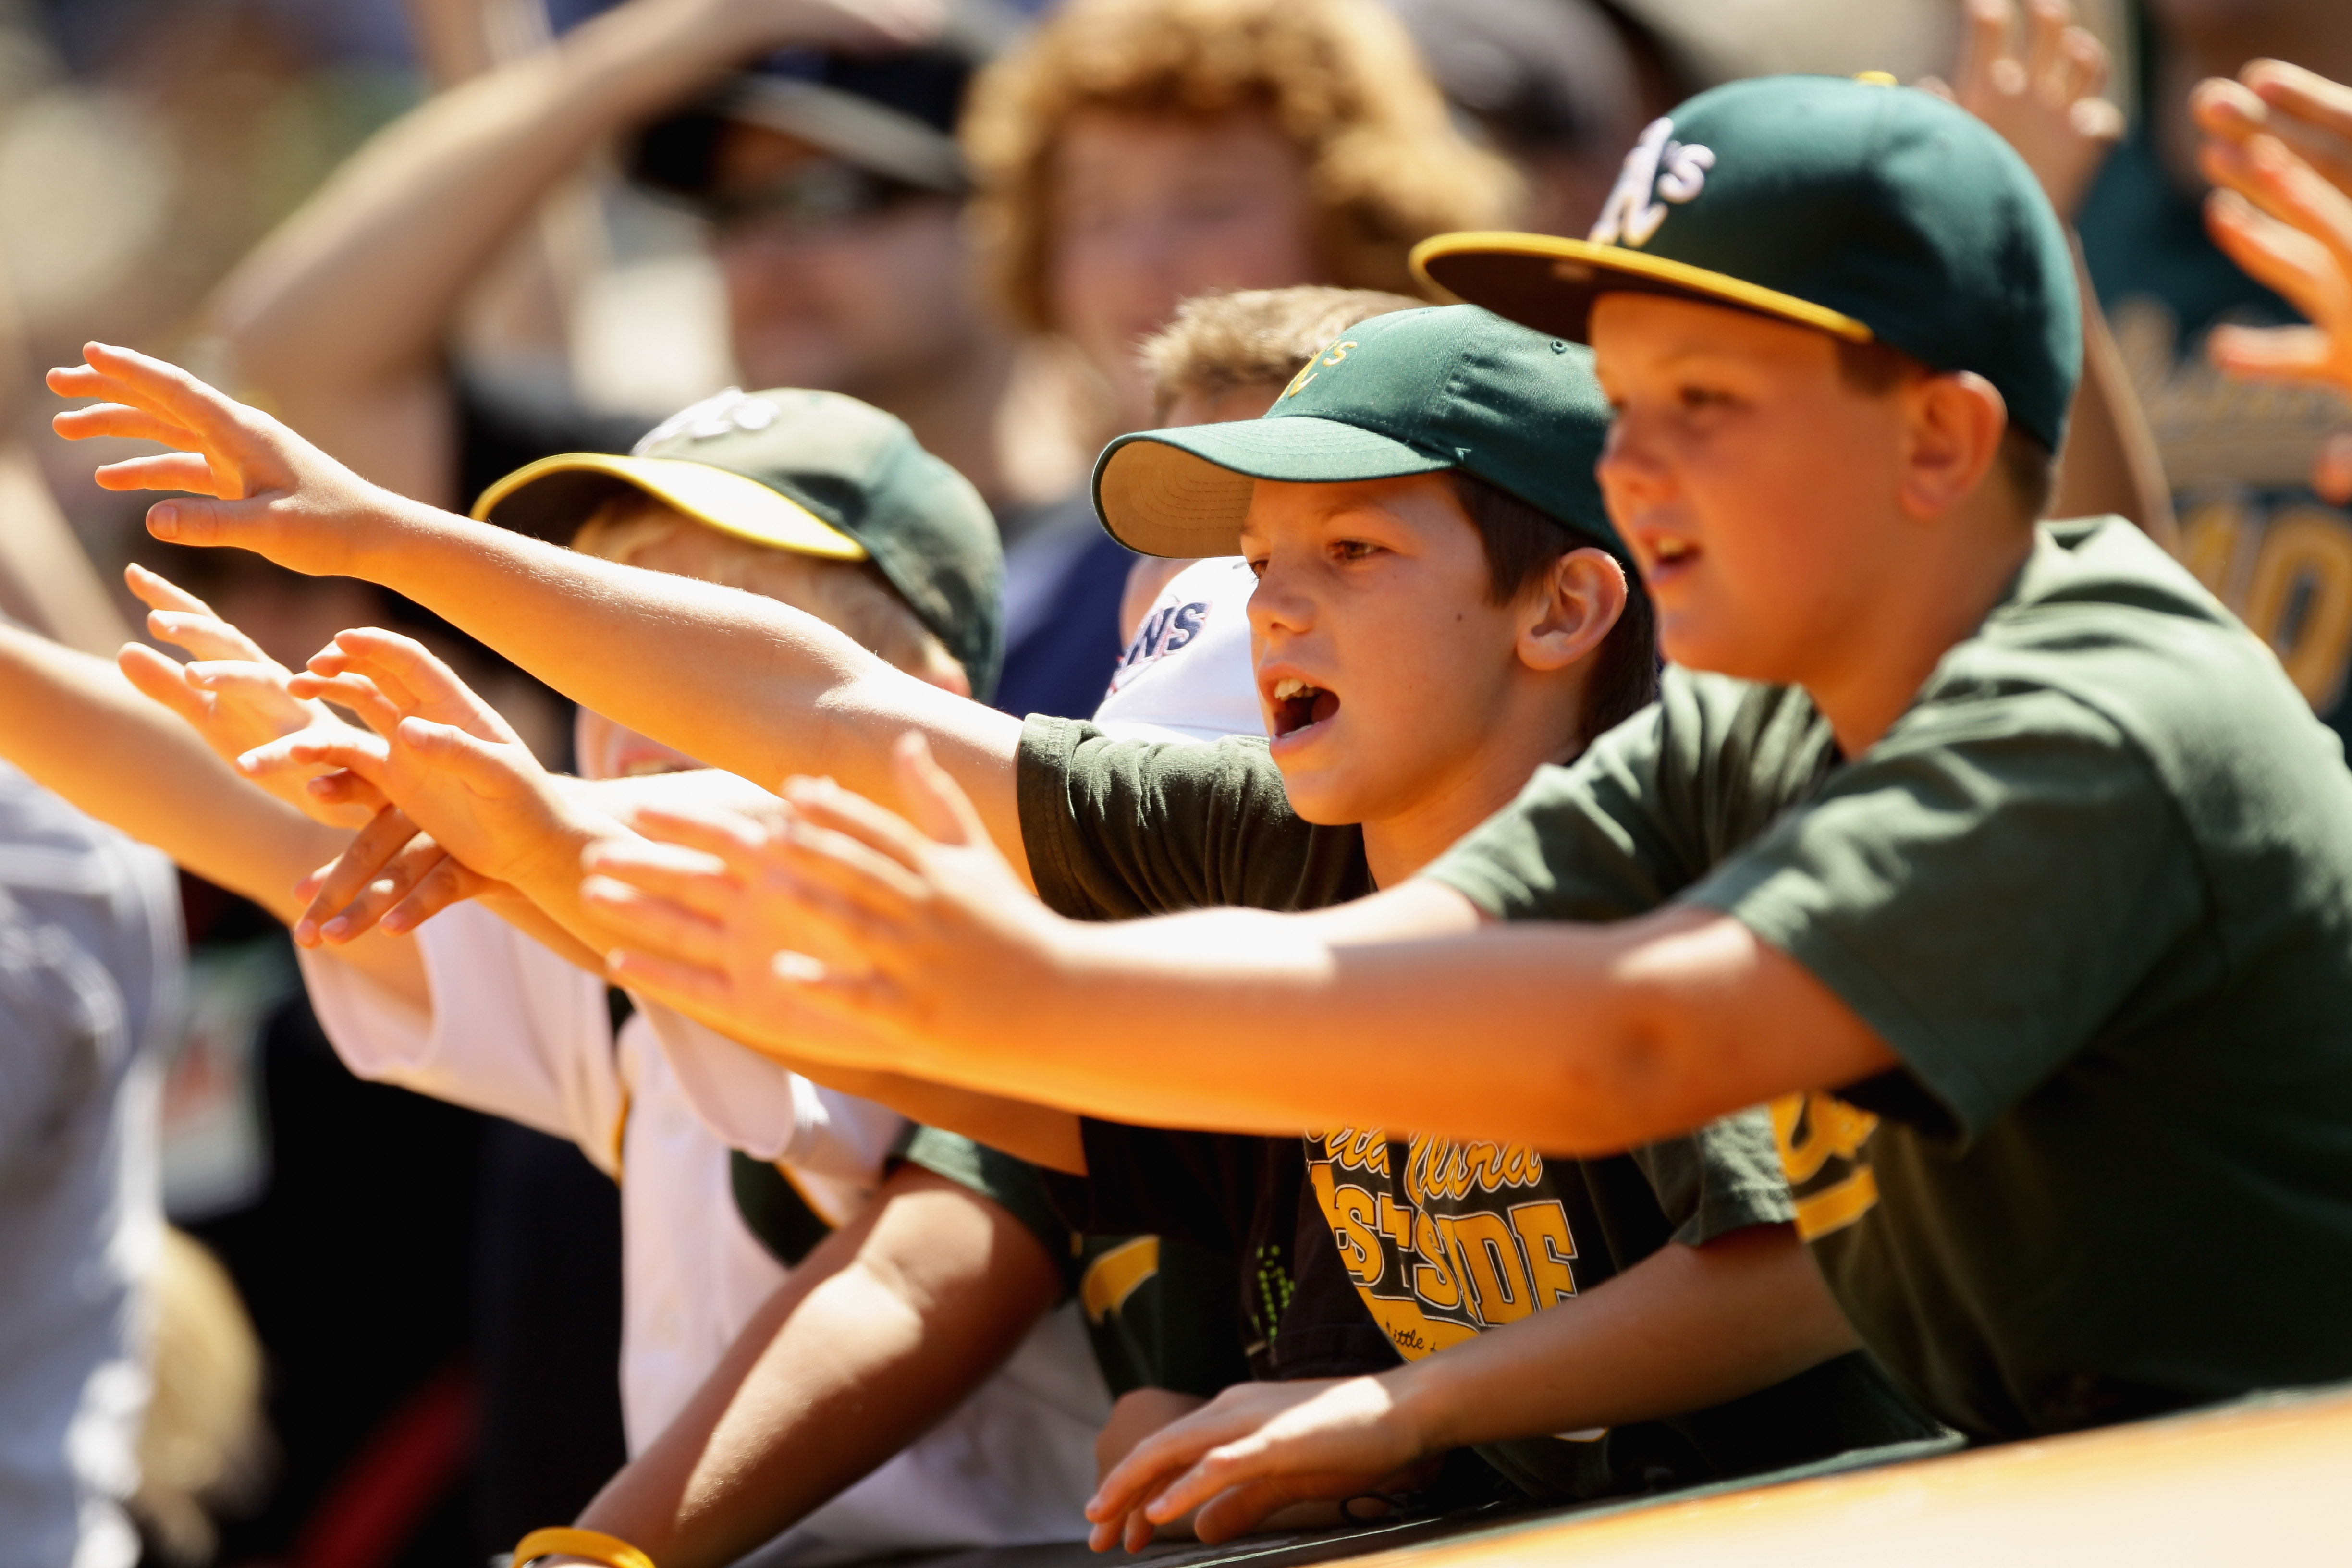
(2031, 467)
(1522, 543)
(1339, 77)
(1254, 337)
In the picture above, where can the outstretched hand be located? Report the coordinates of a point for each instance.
(2278, 148)
(255, 484)
(838, 929)
(1259, 1448)
(235, 695)
(446, 760)
(2039, 84)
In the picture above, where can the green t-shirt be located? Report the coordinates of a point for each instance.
(1436, 1239)
(2095, 889)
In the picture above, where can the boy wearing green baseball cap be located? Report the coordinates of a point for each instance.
(1993, 853)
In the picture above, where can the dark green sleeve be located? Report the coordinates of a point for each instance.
(1012, 1184)
(1986, 887)
(1723, 1177)
(1116, 829)
(1648, 808)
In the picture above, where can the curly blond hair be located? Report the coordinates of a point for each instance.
(1252, 337)
(1341, 78)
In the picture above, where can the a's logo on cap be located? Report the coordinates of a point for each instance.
(1329, 356)
(721, 413)
(1676, 171)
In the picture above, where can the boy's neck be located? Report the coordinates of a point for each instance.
(1398, 845)
(1874, 673)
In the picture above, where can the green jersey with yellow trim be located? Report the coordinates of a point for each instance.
(2094, 890)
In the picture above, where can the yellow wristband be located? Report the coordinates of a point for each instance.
(610, 1550)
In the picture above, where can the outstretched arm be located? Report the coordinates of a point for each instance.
(1686, 1328)
(1579, 1039)
(882, 1331)
(75, 725)
(735, 679)
(340, 317)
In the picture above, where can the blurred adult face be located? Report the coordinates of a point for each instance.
(1151, 209)
(863, 302)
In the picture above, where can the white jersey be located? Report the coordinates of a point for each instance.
(519, 1032)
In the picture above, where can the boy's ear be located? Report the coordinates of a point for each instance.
(1581, 598)
(1952, 439)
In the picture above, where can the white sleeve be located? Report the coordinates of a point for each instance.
(513, 1030)
(756, 1104)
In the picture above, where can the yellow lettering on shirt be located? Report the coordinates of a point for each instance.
(1488, 1256)
(1813, 1129)
(1112, 1277)
(1543, 1234)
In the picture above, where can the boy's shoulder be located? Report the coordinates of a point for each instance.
(2105, 631)
(1117, 828)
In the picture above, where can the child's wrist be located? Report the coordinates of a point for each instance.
(1419, 1410)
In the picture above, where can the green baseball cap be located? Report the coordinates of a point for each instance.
(1413, 393)
(815, 473)
(1876, 213)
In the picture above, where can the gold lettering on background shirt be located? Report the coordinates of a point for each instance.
(1822, 1142)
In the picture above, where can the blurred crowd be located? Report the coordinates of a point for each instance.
(445, 238)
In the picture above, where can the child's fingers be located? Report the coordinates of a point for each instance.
(196, 520)
(335, 659)
(1983, 40)
(449, 883)
(686, 986)
(686, 878)
(824, 803)
(205, 635)
(366, 755)
(334, 885)
(159, 678)
(2301, 96)
(168, 388)
(2085, 73)
(251, 686)
(936, 802)
(2045, 46)
(356, 692)
(651, 924)
(170, 472)
(408, 662)
(491, 768)
(122, 422)
(728, 836)
(809, 857)
(345, 788)
(407, 866)
(157, 592)
(2284, 187)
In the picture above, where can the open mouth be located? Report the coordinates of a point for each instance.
(1666, 554)
(1299, 706)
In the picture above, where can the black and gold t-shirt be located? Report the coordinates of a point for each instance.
(2094, 890)
(1372, 1248)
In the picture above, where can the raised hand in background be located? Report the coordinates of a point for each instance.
(2278, 148)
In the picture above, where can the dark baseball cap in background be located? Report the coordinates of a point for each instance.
(1875, 213)
(892, 115)
(813, 473)
(1417, 392)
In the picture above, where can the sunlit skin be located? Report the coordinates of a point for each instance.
(1427, 705)
(1151, 209)
(861, 306)
(1742, 466)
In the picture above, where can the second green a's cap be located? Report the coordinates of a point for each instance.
(815, 473)
(1413, 393)
(1873, 212)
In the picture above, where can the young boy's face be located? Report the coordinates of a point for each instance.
(1756, 486)
(1381, 668)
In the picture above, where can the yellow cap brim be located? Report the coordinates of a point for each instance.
(1548, 282)
(719, 498)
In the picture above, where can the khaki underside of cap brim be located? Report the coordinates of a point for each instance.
(1160, 499)
(1549, 283)
(719, 498)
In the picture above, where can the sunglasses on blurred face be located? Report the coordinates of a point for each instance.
(811, 200)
